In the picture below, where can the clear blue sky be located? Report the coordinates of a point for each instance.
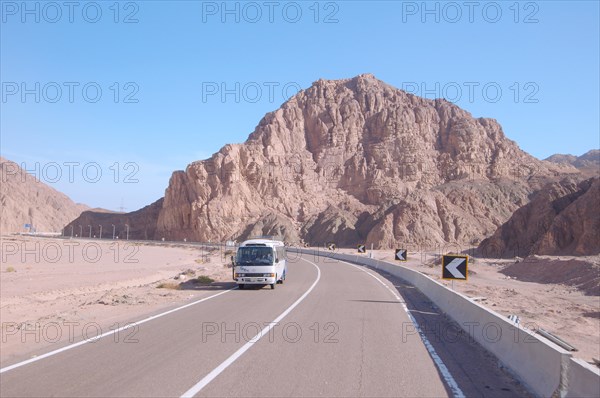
(171, 61)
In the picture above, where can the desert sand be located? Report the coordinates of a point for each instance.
(66, 290)
(83, 290)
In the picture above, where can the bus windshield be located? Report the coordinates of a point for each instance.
(255, 255)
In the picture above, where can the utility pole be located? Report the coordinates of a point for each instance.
(122, 208)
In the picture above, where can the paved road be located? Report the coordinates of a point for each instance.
(342, 330)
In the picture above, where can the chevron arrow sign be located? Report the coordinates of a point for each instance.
(455, 267)
(401, 255)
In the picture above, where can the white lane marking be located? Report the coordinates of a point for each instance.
(219, 369)
(453, 267)
(457, 392)
(116, 331)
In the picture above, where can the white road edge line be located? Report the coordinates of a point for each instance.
(457, 392)
(116, 331)
(219, 369)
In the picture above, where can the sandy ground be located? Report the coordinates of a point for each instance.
(560, 308)
(53, 291)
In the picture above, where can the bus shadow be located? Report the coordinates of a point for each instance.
(191, 285)
(256, 287)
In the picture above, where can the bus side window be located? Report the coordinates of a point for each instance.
(280, 254)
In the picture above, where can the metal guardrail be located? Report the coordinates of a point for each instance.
(556, 340)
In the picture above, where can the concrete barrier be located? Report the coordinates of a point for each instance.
(543, 367)
(582, 380)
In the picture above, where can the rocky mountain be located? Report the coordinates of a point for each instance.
(357, 160)
(562, 218)
(24, 199)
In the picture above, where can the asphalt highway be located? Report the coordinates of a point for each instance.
(332, 329)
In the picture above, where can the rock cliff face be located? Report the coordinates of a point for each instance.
(26, 200)
(357, 160)
(562, 218)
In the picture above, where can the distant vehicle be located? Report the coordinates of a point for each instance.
(260, 262)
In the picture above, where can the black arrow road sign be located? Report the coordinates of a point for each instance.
(362, 249)
(401, 254)
(455, 267)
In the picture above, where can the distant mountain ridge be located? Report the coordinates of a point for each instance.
(355, 161)
(588, 161)
(26, 200)
(140, 224)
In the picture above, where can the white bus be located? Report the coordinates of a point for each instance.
(260, 262)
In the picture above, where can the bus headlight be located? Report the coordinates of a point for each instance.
(239, 275)
(269, 275)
